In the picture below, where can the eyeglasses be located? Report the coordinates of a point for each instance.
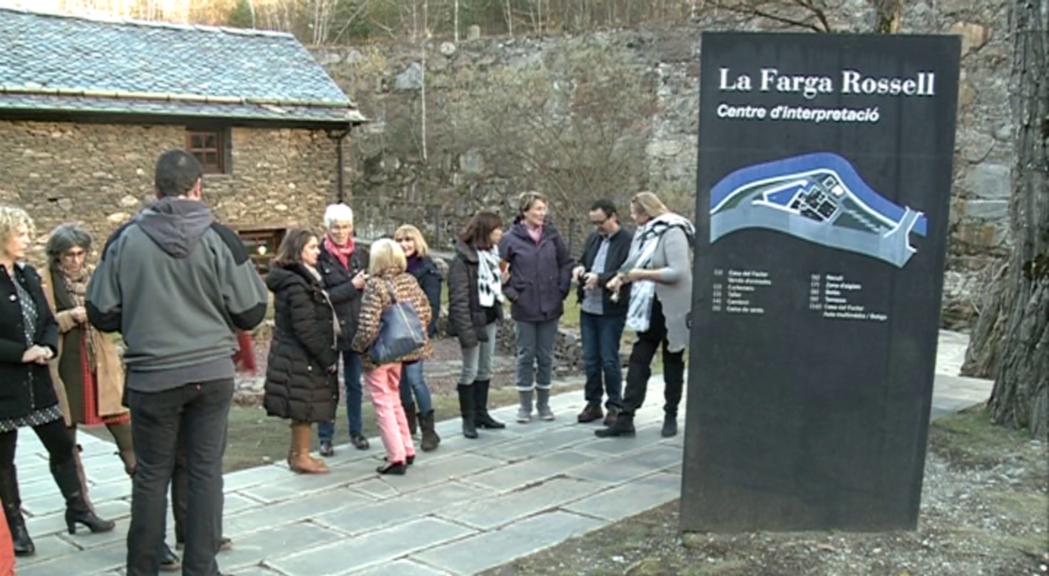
(599, 222)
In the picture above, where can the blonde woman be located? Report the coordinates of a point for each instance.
(28, 340)
(659, 268)
(425, 271)
(388, 279)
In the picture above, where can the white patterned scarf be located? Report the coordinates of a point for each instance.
(644, 244)
(489, 285)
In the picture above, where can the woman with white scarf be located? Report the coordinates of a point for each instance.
(475, 306)
(660, 268)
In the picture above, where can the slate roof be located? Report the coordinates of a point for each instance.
(63, 64)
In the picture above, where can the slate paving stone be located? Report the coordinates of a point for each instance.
(370, 549)
(259, 476)
(256, 547)
(530, 471)
(491, 512)
(58, 561)
(290, 511)
(490, 549)
(611, 471)
(375, 488)
(48, 549)
(529, 447)
(400, 568)
(358, 519)
(630, 499)
(424, 474)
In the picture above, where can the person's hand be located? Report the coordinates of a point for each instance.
(577, 273)
(36, 354)
(590, 281)
(504, 276)
(79, 314)
(359, 280)
(615, 283)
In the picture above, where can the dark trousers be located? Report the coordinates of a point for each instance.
(601, 335)
(352, 371)
(640, 367)
(197, 411)
(59, 444)
(180, 495)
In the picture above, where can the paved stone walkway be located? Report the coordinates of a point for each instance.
(469, 506)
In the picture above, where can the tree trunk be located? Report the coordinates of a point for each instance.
(1011, 341)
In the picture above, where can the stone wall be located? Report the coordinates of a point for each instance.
(102, 174)
(610, 113)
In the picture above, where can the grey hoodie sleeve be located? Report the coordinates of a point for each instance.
(243, 292)
(104, 296)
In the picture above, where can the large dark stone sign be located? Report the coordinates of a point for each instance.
(823, 189)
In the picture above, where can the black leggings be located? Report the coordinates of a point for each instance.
(59, 444)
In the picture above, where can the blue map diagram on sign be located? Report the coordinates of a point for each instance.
(816, 197)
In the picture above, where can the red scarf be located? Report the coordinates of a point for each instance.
(343, 253)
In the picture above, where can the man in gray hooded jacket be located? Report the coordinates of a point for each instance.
(176, 284)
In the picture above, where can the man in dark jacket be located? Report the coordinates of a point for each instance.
(602, 313)
(176, 284)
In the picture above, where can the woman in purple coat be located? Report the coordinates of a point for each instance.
(540, 278)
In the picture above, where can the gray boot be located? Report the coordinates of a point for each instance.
(542, 404)
(524, 413)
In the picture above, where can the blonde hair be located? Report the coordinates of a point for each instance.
(11, 219)
(386, 255)
(412, 233)
(526, 200)
(649, 203)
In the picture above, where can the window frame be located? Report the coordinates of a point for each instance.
(221, 150)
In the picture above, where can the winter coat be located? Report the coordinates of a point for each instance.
(673, 260)
(429, 279)
(376, 299)
(344, 295)
(24, 387)
(618, 250)
(466, 318)
(301, 381)
(540, 274)
(109, 368)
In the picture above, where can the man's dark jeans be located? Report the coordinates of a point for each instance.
(601, 335)
(199, 412)
(639, 369)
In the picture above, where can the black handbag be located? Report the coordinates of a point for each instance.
(401, 332)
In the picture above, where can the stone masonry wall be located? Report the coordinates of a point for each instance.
(611, 113)
(102, 174)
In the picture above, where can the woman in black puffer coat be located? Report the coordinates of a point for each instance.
(301, 381)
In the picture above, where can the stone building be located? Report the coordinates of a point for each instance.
(87, 105)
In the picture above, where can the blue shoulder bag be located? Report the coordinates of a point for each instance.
(400, 331)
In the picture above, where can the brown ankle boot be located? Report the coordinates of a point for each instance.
(299, 459)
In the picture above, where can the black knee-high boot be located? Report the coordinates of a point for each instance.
(77, 509)
(23, 544)
(481, 415)
(466, 408)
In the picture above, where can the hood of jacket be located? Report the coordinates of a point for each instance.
(468, 252)
(281, 277)
(176, 225)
